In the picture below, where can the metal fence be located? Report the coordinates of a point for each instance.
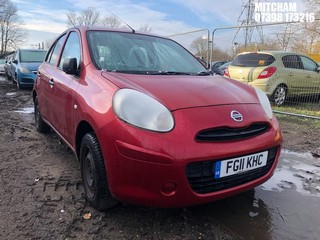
(301, 85)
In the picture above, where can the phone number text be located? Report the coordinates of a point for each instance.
(283, 17)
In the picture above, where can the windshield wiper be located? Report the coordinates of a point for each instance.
(168, 73)
(204, 73)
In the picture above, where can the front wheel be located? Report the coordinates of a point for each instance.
(41, 126)
(93, 173)
(280, 95)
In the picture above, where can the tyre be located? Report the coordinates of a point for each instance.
(41, 126)
(8, 77)
(93, 174)
(280, 95)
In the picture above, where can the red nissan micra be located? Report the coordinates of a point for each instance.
(149, 124)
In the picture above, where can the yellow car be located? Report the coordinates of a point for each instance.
(279, 74)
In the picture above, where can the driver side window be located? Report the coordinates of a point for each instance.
(72, 49)
(308, 64)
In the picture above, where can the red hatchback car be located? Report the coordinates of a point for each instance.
(149, 125)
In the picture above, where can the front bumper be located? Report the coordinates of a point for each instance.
(151, 169)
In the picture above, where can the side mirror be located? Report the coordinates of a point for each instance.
(318, 69)
(69, 66)
(15, 61)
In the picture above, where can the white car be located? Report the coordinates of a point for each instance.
(2, 62)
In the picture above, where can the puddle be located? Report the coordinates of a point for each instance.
(11, 94)
(25, 110)
(285, 207)
(300, 172)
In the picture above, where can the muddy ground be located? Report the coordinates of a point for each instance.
(41, 195)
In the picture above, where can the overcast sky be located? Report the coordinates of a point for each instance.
(45, 19)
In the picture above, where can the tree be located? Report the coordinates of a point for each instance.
(91, 17)
(112, 22)
(145, 28)
(310, 31)
(88, 17)
(11, 31)
(199, 47)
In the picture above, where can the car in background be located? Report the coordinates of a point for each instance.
(218, 63)
(279, 74)
(2, 63)
(24, 66)
(224, 66)
(7, 66)
(149, 124)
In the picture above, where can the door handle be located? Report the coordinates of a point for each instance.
(51, 82)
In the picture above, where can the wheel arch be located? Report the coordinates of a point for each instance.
(83, 128)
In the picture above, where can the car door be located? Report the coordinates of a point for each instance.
(63, 88)
(46, 72)
(294, 74)
(312, 76)
(14, 64)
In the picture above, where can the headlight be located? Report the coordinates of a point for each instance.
(25, 70)
(142, 111)
(265, 103)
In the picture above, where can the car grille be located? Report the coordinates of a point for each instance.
(226, 133)
(201, 175)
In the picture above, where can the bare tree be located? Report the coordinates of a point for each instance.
(111, 21)
(145, 28)
(87, 17)
(12, 33)
(285, 36)
(310, 31)
(199, 47)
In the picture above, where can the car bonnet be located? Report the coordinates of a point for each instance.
(178, 92)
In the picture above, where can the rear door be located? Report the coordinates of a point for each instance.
(46, 73)
(294, 74)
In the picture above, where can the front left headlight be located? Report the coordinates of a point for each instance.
(265, 103)
(142, 111)
(25, 70)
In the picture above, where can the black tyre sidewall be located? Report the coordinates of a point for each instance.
(100, 198)
(41, 126)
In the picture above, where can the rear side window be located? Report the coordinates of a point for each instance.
(253, 60)
(292, 61)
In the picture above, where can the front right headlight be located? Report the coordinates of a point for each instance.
(142, 111)
(265, 103)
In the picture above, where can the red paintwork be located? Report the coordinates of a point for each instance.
(138, 161)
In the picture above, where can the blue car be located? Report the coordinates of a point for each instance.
(25, 65)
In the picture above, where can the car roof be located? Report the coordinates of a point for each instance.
(274, 53)
(101, 28)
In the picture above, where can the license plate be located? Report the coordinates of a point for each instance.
(241, 164)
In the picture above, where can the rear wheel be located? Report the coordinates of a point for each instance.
(41, 126)
(93, 173)
(280, 95)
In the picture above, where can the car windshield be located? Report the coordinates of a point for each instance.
(32, 56)
(253, 60)
(140, 54)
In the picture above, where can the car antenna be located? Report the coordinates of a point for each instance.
(133, 31)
